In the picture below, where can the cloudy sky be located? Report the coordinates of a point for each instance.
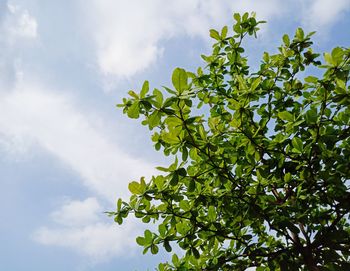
(66, 152)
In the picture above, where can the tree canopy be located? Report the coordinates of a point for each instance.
(261, 168)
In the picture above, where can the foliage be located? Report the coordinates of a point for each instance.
(261, 170)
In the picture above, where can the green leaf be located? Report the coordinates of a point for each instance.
(159, 96)
(159, 181)
(287, 177)
(169, 101)
(154, 119)
(167, 246)
(161, 267)
(174, 179)
(135, 188)
(195, 253)
(171, 137)
(119, 204)
(311, 116)
(297, 144)
(202, 132)
(140, 241)
(286, 40)
(179, 79)
(145, 89)
(162, 230)
(256, 83)
(211, 213)
(148, 237)
(237, 17)
(133, 111)
(214, 34)
(182, 172)
(266, 57)
(328, 58)
(311, 79)
(184, 205)
(133, 94)
(169, 90)
(337, 55)
(224, 32)
(285, 115)
(154, 249)
(191, 186)
(175, 260)
(181, 228)
(242, 83)
(164, 169)
(299, 34)
(118, 219)
(184, 155)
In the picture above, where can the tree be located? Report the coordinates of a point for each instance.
(261, 169)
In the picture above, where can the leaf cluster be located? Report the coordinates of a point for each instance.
(261, 159)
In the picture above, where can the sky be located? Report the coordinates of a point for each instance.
(66, 152)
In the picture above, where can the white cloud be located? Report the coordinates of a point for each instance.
(323, 14)
(128, 37)
(78, 229)
(36, 113)
(265, 10)
(128, 34)
(14, 148)
(18, 29)
(99, 241)
(19, 24)
(78, 213)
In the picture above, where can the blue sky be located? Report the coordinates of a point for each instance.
(66, 152)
